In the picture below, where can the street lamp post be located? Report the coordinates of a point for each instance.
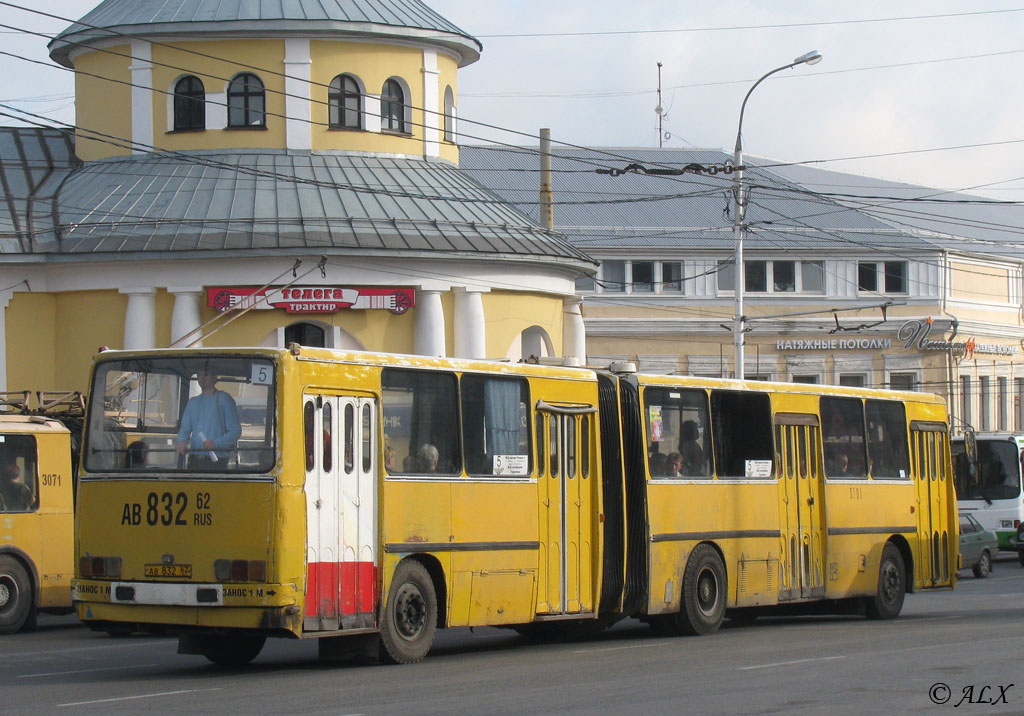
(739, 228)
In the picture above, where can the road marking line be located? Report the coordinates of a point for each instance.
(87, 648)
(620, 648)
(140, 696)
(790, 663)
(85, 671)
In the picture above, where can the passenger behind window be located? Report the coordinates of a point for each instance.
(15, 495)
(689, 448)
(427, 458)
(138, 453)
(673, 464)
(658, 462)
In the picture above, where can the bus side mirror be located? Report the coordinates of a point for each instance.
(971, 447)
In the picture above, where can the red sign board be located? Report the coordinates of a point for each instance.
(311, 299)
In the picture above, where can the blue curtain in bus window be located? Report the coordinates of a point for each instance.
(501, 416)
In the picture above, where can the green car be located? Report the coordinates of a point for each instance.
(977, 545)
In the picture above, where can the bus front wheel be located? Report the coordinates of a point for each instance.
(410, 616)
(892, 585)
(17, 602)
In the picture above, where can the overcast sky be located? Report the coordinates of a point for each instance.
(883, 87)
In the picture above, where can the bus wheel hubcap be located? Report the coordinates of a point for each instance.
(707, 591)
(5, 592)
(410, 611)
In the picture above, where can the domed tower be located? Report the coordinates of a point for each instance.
(292, 164)
(358, 75)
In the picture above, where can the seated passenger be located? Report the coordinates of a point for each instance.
(657, 464)
(689, 448)
(427, 458)
(15, 495)
(673, 464)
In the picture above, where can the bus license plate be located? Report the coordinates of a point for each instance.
(183, 571)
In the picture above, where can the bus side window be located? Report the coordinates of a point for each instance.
(541, 444)
(742, 427)
(308, 429)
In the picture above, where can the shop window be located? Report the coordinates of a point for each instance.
(671, 277)
(808, 379)
(852, 380)
(1004, 403)
(246, 102)
(1018, 403)
(189, 104)
(966, 400)
(345, 103)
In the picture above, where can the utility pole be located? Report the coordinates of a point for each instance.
(660, 110)
(547, 210)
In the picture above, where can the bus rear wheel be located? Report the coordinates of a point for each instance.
(17, 601)
(892, 586)
(410, 616)
(231, 650)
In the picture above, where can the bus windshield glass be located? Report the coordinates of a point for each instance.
(997, 476)
(182, 414)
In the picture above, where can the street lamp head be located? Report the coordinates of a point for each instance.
(810, 58)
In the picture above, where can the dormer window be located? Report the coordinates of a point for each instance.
(247, 105)
(345, 100)
(392, 108)
(189, 104)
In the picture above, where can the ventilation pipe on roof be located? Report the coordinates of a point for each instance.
(547, 211)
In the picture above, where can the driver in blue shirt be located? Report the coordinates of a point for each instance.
(209, 426)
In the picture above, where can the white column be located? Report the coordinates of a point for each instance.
(186, 315)
(470, 331)
(298, 130)
(5, 301)
(140, 318)
(574, 333)
(429, 332)
(141, 69)
(431, 116)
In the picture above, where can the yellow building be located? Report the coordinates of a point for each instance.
(848, 280)
(258, 180)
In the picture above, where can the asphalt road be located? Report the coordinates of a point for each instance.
(946, 647)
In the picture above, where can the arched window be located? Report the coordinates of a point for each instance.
(449, 114)
(345, 102)
(189, 104)
(305, 334)
(392, 107)
(247, 105)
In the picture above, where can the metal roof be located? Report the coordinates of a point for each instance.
(276, 200)
(601, 213)
(407, 19)
(33, 163)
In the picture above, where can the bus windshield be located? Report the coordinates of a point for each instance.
(997, 476)
(209, 415)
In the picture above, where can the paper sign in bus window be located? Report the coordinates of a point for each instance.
(510, 465)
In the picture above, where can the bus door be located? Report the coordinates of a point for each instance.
(340, 440)
(798, 445)
(566, 523)
(929, 464)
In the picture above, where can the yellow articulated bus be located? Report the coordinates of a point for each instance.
(37, 455)
(368, 499)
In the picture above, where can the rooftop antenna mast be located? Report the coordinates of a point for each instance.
(660, 111)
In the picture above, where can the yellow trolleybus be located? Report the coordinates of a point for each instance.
(369, 499)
